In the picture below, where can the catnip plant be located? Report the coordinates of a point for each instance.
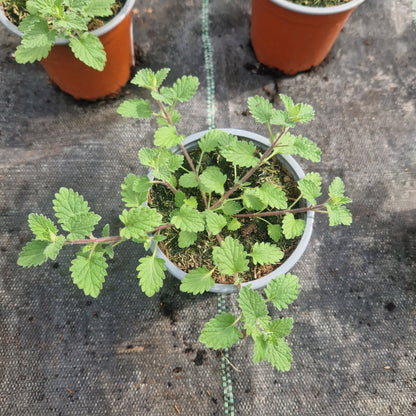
(49, 20)
(207, 204)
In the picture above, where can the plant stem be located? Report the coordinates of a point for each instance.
(286, 211)
(102, 240)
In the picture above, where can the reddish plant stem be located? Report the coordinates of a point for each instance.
(102, 240)
(250, 172)
(286, 211)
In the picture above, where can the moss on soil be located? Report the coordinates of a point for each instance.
(252, 229)
(320, 3)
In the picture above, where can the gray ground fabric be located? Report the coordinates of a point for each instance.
(354, 341)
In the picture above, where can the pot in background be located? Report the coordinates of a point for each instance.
(81, 81)
(294, 38)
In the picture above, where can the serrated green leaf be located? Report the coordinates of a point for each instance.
(106, 230)
(160, 76)
(25, 54)
(280, 118)
(282, 290)
(109, 251)
(310, 187)
(234, 224)
(42, 227)
(231, 207)
(261, 109)
(36, 32)
(253, 307)
(179, 198)
(41, 6)
(133, 194)
(162, 162)
(287, 102)
(145, 78)
(139, 221)
(209, 141)
(151, 274)
(214, 222)
(88, 271)
(100, 8)
(89, 50)
(298, 145)
(165, 95)
(71, 21)
(137, 108)
(253, 199)
(301, 113)
(53, 248)
(220, 332)
(280, 328)
(273, 196)
(241, 154)
(213, 180)
(292, 227)
(279, 355)
(260, 346)
(188, 180)
(167, 137)
(266, 253)
(225, 140)
(336, 192)
(33, 253)
(185, 88)
(186, 238)
(198, 281)
(141, 184)
(74, 214)
(188, 219)
(338, 215)
(174, 118)
(274, 231)
(230, 257)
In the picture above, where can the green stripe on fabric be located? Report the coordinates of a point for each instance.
(210, 80)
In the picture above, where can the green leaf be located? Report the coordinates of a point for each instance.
(310, 187)
(88, 271)
(160, 76)
(213, 180)
(253, 199)
(209, 141)
(279, 355)
(41, 6)
(165, 95)
(261, 109)
(274, 231)
(106, 231)
(292, 227)
(139, 221)
(273, 196)
(280, 328)
(71, 21)
(336, 192)
(253, 307)
(301, 113)
(137, 108)
(214, 222)
(33, 254)
(281, 118)
(185, 87)
(42, 227)
(36, 32)
(151, 274)
(25, 54)
(234, 224)
(282, 290)
(298, 145)
(96, 8)
(266, 253)
(174, 118)
(162, 161)
(188, 219)
(197, 281)
(287, 102)
(241, 154)
(186, 238)
(167, 137)
(338, 215)
(180, 198)
(230, 257)
(141, 184)
(53, 248)
(145, 78)
(188, 180)
(73, 214)
(133, 191)
(89, 50)
(231, 207)
(220, 332)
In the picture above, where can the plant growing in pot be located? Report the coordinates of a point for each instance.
(222, 207)
(85, 46)
(295, 35)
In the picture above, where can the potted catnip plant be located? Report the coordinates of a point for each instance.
(222, 205)
(295, 35)
(85, 46)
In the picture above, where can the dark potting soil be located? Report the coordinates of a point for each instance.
(252, 230)
(320, 3)
(15, 11)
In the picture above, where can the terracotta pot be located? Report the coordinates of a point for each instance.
(82, 81)
(294, 38)
(297, 172)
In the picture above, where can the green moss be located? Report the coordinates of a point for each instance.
(320, 3)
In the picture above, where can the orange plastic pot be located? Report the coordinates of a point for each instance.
(83, 82)
(294, 38)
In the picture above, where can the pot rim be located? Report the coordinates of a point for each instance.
(297, 171)
(124, 11)
(319, 11)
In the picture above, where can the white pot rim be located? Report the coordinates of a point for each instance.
(124, 11)
(319, 11)
(298, 173)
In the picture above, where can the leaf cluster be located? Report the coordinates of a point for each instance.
(49, 20)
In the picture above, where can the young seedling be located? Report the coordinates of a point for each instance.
(207, 205)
